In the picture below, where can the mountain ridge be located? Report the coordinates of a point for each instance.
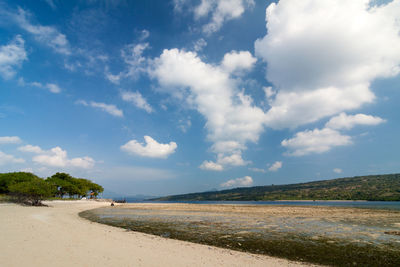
(385, 187)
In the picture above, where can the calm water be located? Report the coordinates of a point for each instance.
(391, 205)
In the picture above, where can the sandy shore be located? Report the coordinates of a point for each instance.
(57, 236)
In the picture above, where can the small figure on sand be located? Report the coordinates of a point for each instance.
(112, 204)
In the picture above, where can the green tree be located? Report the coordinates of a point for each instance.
(8, 179)
(32, 192)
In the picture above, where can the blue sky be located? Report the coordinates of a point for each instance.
(165, 97)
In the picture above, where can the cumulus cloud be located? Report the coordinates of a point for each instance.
(290, 110)
(219, 11)
(238, 61)
(46, 35)
(319, 141)
(137, 100)
(111, 109)
(344, 121)
(322, 59)
(57, 157)
(8, 159)
(31, 149)
(11, 57)
(276, 166)
(232, 119)
(245, 181)
(232, 160)
(151, 148)
(9, 140)
(211, 166)
(315, 141)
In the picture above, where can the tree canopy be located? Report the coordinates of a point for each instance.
(30, 189)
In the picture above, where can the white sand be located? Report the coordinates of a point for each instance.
(57, 236)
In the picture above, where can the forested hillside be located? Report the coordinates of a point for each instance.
(373, 187)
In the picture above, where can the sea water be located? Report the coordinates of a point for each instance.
(389, 205)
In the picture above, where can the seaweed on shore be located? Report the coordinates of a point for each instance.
(293, 246)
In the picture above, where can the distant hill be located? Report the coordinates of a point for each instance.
(373, 187)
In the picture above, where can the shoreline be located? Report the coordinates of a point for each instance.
(57, 236)
(365, 236)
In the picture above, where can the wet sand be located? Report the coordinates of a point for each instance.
(57, 236)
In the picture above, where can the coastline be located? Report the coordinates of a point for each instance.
(57, 236)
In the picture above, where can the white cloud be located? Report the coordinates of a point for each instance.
(344, 121)
(269, 92)
(85, 162)
(276, 166)
(319, 141)
(144, 35)
(11, 57)
(337, 170)
(8, 159)
(199, 45)
(211, 166)
(52, 87)
(9, 140)
(57, 157)
(82, 102)
(245, 181)
(227, 147)
(137, 100)
(315, 141)
(31, 149)
(232, 119)
(220, 10)
(111, 109)
(232, 160)
(46, 35)
(151, 149)
(238, 61)
(132, 55)
(290, 110)
(114, 78)
(319, 74)
(184, 125)
(178, 5)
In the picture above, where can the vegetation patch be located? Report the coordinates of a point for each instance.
(372, 188)
(29, 189)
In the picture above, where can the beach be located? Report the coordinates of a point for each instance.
(339, 236)
(57, 236)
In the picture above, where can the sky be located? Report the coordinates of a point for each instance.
(164, 97)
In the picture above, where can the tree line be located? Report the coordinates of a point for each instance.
(30, 189)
